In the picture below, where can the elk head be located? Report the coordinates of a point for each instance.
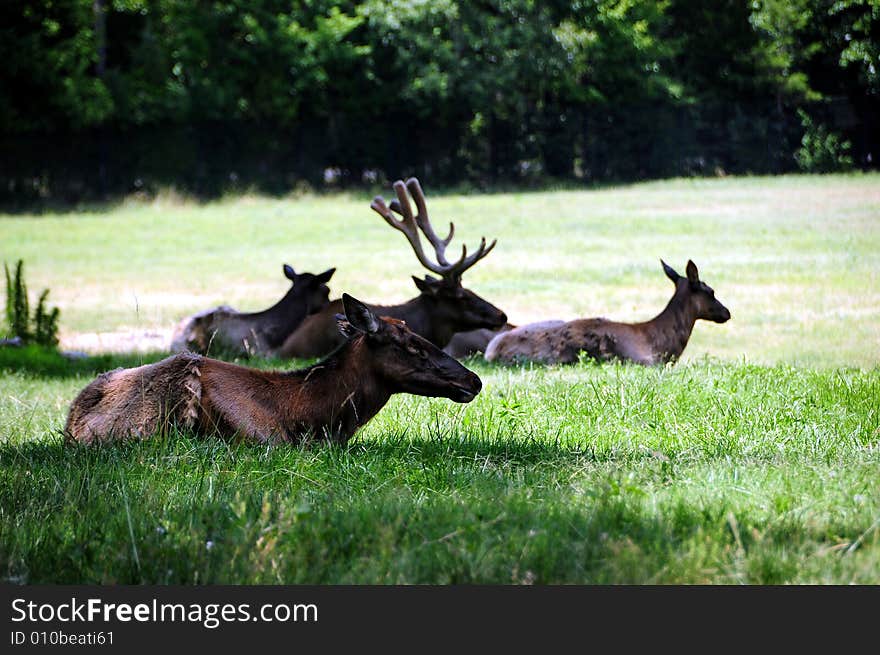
(405, 361)
(699, 295)
(451, 303)
(312, 287)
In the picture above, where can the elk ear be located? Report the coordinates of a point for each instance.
(324, 278)
(692, 273)
(359, 315)
(428, 285)
(289, 273)
(670, 272)
(346, 328)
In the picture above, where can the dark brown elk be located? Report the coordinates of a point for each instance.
(443, 306)
(328, 401)
(658, 341)
(225, 330)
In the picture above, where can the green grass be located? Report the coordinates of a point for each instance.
(755, 460)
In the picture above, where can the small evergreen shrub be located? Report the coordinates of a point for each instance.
(42, 327)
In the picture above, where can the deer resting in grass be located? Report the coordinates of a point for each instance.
(223, 329)
(473, 342)
(328, 401)
(443, 306)
(658, 341)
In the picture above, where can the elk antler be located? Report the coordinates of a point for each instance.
(410, 226)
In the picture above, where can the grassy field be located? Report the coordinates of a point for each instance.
(756, 459)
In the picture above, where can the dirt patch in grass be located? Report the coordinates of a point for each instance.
(119, 341)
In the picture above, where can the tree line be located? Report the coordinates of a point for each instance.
(104, 97)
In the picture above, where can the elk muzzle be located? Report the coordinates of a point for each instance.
(500, 320)
(719, 314)
(466, 388)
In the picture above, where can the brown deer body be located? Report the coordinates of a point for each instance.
(328, 401)
(223, 329)
(443, 307)
(658, 341)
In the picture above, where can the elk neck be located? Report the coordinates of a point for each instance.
(290, 309)
(337, 395)
(669, 331)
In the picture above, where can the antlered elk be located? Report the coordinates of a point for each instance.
(443, 307)
(328, 401)
(223, 329)
(660, 340)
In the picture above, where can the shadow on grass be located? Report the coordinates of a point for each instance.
(102, 514)
(43, 362)
(48, 363)
(57, 205)
(386, 452)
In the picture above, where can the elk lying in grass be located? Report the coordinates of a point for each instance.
(473, 342)
(329, 400)
(443, 307)
(660, 340)
(225, 330)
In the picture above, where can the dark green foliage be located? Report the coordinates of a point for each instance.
(46, 323)
(17, 310)
(113, 97)
(822, 151)
(42, 327)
